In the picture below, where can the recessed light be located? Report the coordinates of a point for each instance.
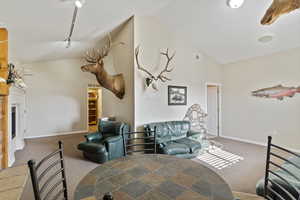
(235, 3)
(79, 3)
(266, 38)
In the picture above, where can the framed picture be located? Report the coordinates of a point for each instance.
(177, 95)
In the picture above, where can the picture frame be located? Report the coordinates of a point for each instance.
(177, 95)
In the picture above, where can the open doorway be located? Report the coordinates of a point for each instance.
(213, 94)
(94, 107)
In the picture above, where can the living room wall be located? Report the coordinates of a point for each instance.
(153, 37)
(56, 98)
(252, 119)
(121, 60)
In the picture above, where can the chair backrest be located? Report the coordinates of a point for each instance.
(48, 176)
(282, 175)
(142, 141)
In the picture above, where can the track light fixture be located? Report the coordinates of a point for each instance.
(78, 4)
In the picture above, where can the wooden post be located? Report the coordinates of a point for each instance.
(3, 98)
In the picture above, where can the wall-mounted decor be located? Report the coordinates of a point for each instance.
(277, 92)
(177, 95)
(114, 83)
(151, 79)
(15, 77)
(278, 8)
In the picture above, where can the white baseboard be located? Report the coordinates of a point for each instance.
(244, 140)
(254, 142)
(56, 134)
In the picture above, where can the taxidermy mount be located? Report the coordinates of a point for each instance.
(151, 79)
(114, 83)
(278, 8)
(277, 92)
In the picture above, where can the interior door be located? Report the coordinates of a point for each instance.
(213, 110)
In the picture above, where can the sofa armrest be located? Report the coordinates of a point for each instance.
(114, 146)
(93, 137)
(113, 139)
(193, 133)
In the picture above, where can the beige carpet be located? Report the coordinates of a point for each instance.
(241, 177)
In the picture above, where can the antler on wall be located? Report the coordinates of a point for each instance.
(162, 75)
(114, 83)
(278, 8)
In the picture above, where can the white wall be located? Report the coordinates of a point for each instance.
(251, 118)
(153, 37)
(57, 97)
(120, 60)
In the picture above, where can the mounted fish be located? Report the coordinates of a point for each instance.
(276, 92)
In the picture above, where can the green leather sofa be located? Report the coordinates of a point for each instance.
(174, 138)
(294, 182)
(106, 144)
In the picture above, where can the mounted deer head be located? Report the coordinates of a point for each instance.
(114, 83)
(278, 8)
(162, 75)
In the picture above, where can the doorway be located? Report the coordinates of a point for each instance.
(213, 94)
(94, 107)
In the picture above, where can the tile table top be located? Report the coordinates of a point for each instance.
(153, 177)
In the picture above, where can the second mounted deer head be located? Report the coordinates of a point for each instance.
(114, 83)
(151, 79)
(278, 8)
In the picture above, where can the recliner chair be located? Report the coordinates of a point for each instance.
(105, 144)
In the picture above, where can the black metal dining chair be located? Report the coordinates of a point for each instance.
(281, 180)
(140, 141)
(48, 176)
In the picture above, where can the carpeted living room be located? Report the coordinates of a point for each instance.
(152, 100)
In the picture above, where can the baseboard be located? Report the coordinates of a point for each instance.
(244, 140)
(56, 134)
(254, 142)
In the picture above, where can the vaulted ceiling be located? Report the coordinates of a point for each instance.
(38, 27)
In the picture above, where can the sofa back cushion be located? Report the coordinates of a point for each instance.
(112, 128)
(169, 131)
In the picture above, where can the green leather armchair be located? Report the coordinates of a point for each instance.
(106, 144)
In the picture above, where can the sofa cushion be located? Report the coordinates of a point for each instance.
(192, 144)
(169, 131)
(173, 148)
(92, 147)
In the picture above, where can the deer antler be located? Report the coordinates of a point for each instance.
(97, 56)
(161, 75)
(137, 51)
(93, 57)
(105, 50)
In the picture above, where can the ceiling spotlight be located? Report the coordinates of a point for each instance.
(68, 42)
(235, 3)
(79, 3)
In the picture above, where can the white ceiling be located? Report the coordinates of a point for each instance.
(38, 27)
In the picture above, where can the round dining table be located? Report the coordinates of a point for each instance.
(153, 177)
